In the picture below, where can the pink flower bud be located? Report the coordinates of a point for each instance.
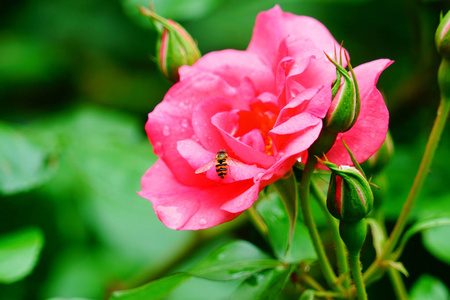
(442, 36)
(350, 196)
(345, 105)
(175, 46)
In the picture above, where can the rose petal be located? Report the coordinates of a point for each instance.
(171, 120)
(243, 151)
(295, 124)
(197, 157)
(205, 131)
(234, 66)
(184, 207)
(274, 25)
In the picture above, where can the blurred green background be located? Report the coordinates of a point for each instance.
(76, 83)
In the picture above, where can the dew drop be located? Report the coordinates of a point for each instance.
(195, 138)
(166, 130)
(202, 221)
(157, 148)
(185, 123)
(280, 154)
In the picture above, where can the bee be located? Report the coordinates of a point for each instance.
(222, 161)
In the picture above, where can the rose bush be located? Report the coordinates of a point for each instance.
(264, 106)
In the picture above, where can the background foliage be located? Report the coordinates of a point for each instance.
(76, 84)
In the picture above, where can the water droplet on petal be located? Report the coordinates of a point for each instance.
(184, 123)
(280, 154)
(157, 148)
(258, 177)
(195, 138)
(202, 221)
(166, 130)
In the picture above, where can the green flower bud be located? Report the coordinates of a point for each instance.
(175, 46)
(346, 103)
(350, 197)
(442, 36)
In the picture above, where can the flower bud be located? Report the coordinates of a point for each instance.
(345, 105)
(350, 197)
(442, 36)
(175, 46)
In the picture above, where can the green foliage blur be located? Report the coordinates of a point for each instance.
(76, 83)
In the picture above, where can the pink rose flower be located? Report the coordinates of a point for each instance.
(264, 106)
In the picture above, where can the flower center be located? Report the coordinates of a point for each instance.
(254, 125)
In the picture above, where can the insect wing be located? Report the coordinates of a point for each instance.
(206, 167)
(234, 162)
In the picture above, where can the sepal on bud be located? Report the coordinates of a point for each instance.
(346, 102)
(175, 46)
(349, 197)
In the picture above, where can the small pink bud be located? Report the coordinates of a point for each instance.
(175, 46)
(442, 36)
(350, 196)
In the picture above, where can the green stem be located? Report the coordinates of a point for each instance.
(341, 253)
(311, 282)
(397, 283)
(327, 271)
(433, 140)
(355, 266)
(257, 221)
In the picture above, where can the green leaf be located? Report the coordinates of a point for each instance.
(273, 214)
(379, 237)
(19, 252)
(396, 265)
(421, 226)
(436, 241)
(204, 289)
(233, 260)
(287, 189)
(267, 284)
(307, 295)
(22, 164)
(429, 287)
(153, 290)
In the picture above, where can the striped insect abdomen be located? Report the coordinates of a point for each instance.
(221, 167)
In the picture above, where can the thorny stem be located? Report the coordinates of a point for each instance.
(433, 140)
(355, 266)
(325, 265)
(341, 253)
